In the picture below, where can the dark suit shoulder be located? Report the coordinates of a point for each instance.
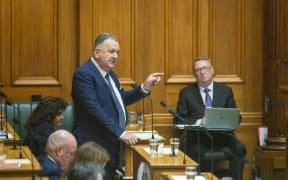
(190, 87)
(221, 85)
(49, 168)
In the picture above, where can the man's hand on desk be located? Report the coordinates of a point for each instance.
(129, 138)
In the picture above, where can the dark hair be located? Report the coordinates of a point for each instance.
(91, 151)
(86, 153)
(102, 37)
(46, 111)
(84, 171)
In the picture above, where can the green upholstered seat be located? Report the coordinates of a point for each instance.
(68, 118)
(20, 111)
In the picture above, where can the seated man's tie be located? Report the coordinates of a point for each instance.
(208, 100)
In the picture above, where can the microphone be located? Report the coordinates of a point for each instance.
(6, 120)
(14, 122)
(133, 85)
(152, 117)
(163, 104)
(2, 94)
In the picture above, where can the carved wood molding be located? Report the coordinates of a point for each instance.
(284, 89)
(30, 81)
(231, 78)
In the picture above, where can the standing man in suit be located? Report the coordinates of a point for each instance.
(60, 148)
(192, 102)
(100, 101)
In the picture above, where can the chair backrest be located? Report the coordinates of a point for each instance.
(20, 111)
(18, 114)
(68, 118)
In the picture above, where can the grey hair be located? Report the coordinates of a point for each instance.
(102, 37)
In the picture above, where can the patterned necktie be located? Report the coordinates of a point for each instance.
(121, 114)
(208, 100)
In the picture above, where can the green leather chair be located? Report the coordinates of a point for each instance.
(18, 114)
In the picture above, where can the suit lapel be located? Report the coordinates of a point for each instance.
(216, 94)
(196, 92)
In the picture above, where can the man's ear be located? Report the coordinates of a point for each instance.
(58, 150)
(96, 52)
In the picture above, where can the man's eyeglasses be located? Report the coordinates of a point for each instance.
(203, 69)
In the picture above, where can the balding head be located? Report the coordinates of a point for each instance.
(61, 146)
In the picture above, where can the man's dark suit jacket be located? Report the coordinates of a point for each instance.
(49, 168)
(96, 117)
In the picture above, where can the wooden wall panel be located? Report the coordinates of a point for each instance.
(150, 46)
(116, 17)
(34, 43)
(5, 41)
(38, 41)
(181, 41)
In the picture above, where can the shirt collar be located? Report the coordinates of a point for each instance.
(210, 87)
(103, 73)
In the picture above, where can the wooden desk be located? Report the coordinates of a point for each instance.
(169, 175)
(158, 165)
(24, 178)
(129, 154)
(10, 130)
(25, 170)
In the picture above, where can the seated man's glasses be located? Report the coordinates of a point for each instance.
(203, 69)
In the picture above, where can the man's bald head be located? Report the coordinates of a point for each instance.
(61, 146)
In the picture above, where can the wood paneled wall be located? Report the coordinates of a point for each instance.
(42, 42)
(39, 47)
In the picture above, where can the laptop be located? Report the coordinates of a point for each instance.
(222, 118)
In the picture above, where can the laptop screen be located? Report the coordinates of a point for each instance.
(222, 118)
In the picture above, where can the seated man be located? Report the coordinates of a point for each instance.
(191, 105)
(60, 148)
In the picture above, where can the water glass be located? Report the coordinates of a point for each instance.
(141, 122)
(153, 144)
(174, 146)
(132, 119)
(190, 172)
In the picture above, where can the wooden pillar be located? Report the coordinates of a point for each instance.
(284, 90)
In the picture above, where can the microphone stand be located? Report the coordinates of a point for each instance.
(6, 124)
(14, 131)
(32, 164)
(143, 107)
(1, 115)
(152, 118)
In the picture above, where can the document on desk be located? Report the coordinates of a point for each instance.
(3, 135)
(184, 178)
(146, 135)
(20, 161)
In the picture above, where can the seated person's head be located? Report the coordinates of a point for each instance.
(61, 146)
(85, 171)
(91, 151)
(49, 110)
